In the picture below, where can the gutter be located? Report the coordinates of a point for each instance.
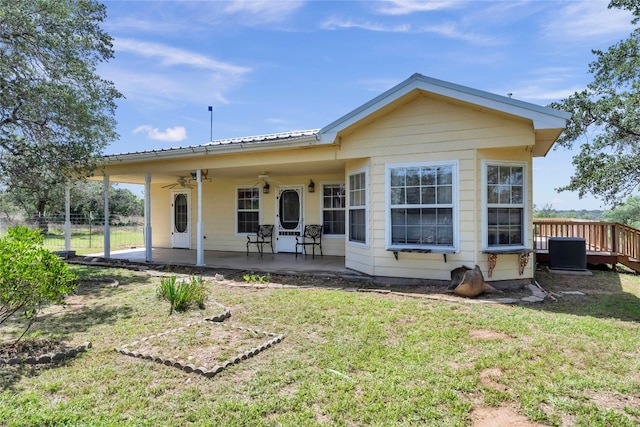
(200, 150)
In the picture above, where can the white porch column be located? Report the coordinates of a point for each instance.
(148, 249)
(67, 218)
(107, 230)
(200, 238)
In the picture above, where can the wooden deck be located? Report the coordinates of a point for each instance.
(606, 242)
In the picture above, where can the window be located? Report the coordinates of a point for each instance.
(248, 210)
(422, 205)
(333, 204)
(505, 205)
(357, 208)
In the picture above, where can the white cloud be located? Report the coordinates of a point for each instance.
(578, 20)
(406, 7)
(448, 29)
(162, 75)
(170, 56)
(261, 11)
(336, 23)
(174, 134)
(453, 31)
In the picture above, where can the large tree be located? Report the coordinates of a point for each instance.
(56, 113)
(606, 120)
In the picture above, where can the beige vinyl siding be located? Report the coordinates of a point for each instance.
(440, 126)
(360, 257)
(430, 130)
(161, 216)
(219, 212)
(507, 265)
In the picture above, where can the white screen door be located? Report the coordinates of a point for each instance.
(180, 222)
(288, 218)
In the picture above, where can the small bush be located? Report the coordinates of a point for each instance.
(256, 278)
(182, 294)
(31, 277)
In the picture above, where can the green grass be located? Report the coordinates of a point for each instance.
(85, 241)
(348, 358)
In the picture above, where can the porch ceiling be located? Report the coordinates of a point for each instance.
(274, 170)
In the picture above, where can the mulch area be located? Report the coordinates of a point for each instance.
(29, 347)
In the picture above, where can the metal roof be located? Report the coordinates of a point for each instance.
(291, 136)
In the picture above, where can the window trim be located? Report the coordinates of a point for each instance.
(348, 208)
(236, 209)
(322, 208)
(455, 196)
(485, 206)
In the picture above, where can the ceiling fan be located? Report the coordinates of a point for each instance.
(182, 181)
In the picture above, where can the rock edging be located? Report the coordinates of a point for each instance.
(201, 370)
(48, 357)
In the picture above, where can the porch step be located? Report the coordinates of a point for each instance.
(631, 263)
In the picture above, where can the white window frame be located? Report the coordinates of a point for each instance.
(237, 209)
(455, 207)
(323, 209)
(364, 244)
(524, 206)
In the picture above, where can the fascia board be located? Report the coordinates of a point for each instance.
(542, 117)
(203, 150)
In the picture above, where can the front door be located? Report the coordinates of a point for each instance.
(180, 223)
(288, 218)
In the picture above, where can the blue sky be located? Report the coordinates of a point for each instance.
(276, 66)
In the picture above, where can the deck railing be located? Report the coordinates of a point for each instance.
(599, 236)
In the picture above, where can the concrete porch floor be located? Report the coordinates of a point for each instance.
(280, 263)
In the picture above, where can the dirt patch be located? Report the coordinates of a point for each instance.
(615, 401)
(502, 416)
(491, 378)
(488, 334)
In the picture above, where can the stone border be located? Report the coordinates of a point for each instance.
(49, 357)
(201, 370)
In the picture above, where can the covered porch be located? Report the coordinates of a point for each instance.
(279, 263)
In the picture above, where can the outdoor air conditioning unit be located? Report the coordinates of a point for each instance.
(567, 253)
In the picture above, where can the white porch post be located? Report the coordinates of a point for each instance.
(200, 244)
(107, 231)
(148, 249)
(67, 218)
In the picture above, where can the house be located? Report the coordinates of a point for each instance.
(422, 179)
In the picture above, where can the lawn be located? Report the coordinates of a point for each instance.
(85, 240)
(347, 358)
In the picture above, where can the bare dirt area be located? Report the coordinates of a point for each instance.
(501, 416)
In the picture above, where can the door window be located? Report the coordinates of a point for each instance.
(180, 213)
(289, 209)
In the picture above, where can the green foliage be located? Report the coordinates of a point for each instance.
(627, 213)
(87, 200)
(182, 294)
(547, 211)
(30, 276)
(606, 120)
(256, 278)
(56, 113)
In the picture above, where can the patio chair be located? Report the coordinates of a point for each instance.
(312, 236)
(264, 236)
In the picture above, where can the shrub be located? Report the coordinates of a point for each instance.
(182, 294)
(31, 277)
